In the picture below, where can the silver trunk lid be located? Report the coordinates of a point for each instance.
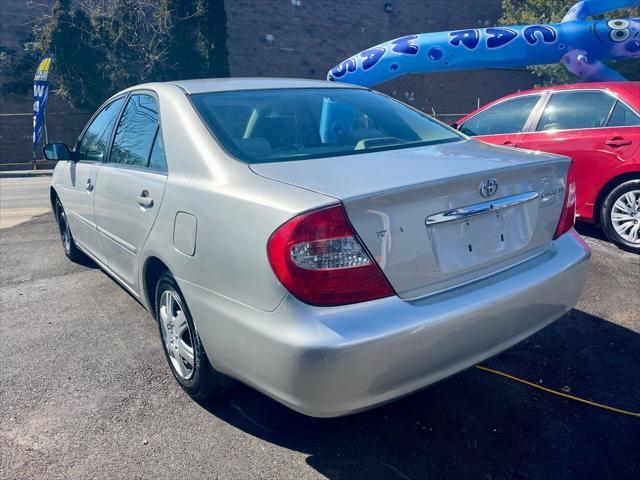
(421, 214)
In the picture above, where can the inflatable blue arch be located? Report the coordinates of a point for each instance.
(580, 44)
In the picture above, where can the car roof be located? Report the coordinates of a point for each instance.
(627, 86)
(206, 85)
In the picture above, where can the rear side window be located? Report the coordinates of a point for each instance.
(509, 116)
(575, 110)
(157, 159)
(93, 144)
(623, 116)
(136, 131)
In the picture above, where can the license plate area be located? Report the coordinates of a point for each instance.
(476, 241)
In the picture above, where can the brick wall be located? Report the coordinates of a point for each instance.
(304, 38)
(16, 129)
(298, 38)
(16, 17)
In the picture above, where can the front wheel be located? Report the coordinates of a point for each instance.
(620, 216)
(182, 346)
(68, 244)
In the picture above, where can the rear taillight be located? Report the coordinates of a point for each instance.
(318, 257)
(568, 216)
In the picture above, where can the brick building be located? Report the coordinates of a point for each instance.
(297, 38)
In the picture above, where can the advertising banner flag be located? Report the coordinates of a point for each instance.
(40, 95)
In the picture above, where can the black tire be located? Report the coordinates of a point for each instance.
(605, 215)
(68, 244)
(204, 382)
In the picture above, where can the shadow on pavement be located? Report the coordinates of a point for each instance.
(590, 230)
(479, 425)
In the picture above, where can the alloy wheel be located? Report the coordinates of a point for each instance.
(177, 335)
(625, 216)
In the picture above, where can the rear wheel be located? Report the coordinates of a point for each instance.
(182, 346)
(620, 216)
(68, 244)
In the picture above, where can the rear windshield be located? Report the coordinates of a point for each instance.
(259, 126)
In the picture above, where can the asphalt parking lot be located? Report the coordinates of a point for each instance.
(85, 391)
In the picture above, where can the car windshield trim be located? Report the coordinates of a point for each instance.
(234, 152)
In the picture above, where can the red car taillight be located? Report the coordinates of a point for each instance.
(318, 257)
(568, 216)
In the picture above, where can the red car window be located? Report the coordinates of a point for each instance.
(576, 110)
(509, 116)
(623, 116)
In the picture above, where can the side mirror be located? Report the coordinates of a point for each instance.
(57, 151)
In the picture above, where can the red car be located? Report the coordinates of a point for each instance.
(596, 124)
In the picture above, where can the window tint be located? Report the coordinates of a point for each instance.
(573, 110)
(135, 132)
(157, 159)
(623, 116)
(509, 116)
(93, 144)
(295, 124)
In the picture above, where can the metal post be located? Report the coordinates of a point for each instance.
(44, 122)
(46, 134)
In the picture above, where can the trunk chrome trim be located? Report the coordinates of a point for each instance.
(480, 208)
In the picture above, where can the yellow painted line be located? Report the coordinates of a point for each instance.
(561, 394)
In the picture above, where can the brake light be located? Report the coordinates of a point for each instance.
(568, 216)
(318, 257)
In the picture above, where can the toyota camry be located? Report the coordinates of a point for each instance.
(322, 243)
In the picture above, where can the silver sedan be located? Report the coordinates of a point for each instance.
(323, 243)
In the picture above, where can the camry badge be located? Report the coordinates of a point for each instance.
(489, 187)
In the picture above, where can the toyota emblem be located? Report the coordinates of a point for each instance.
(489, 187)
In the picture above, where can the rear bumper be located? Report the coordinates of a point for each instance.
(328, 362)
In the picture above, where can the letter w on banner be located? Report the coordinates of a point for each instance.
(40, 95)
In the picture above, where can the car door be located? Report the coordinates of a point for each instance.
(131, 187)
(503, 122)
(592, 127)
(77, 187)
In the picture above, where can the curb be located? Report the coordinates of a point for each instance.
(25, 173)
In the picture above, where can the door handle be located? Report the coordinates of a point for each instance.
(617, 142)
(144, 199)
(89, 185)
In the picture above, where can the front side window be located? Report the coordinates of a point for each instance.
(576, 110)
(295, 124)
(136, 131)
(623, 116)
(505, 117)
(93, 144)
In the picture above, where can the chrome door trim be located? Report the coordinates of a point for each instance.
(80, 218)
(117, 240)
(480, 208)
